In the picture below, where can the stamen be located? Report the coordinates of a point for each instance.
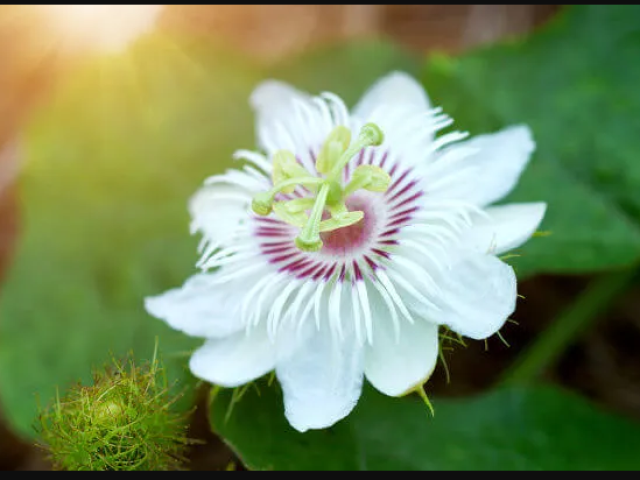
(370, 178)
(341, 220)
(335, 154)
(336, 144)
(286, 167)
(370, 136)
(291, 215)
(262, 202)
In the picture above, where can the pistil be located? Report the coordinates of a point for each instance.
(331, 195)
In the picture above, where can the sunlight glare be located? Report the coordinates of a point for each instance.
(105, 28)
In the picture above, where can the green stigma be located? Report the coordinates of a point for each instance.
(262, 204)
(328, 192)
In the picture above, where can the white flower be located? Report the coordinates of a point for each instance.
(409, 243)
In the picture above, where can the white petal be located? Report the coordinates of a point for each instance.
(272, 102)
(505, 228)
(217, 211)
(272, 98)
(395, 364)
(490, 171)
(400, 107)
(477, 296)
(287, 118)
(322, 380)
(235, 360)
(198, 308)
(396, 88)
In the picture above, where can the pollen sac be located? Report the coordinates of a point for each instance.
(342, 220)
(371, 178)
(300, 204)
(262, 203)
(286, 167)
(292, 213)
(334, 146)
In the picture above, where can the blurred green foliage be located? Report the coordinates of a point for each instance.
(109, 166)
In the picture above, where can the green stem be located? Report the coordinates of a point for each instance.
(550, 344)
(334, 174)
(311, 231)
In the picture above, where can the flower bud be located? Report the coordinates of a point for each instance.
(124, 421)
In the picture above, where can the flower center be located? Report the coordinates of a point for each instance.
(326, 212)
(343, 241)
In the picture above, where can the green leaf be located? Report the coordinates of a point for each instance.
(575, 83)
(513, 429)
(110, 165)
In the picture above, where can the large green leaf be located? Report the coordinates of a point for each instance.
(109, 167)
(576, 84)
(516, 429)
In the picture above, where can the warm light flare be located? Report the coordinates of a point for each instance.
(105, 28)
